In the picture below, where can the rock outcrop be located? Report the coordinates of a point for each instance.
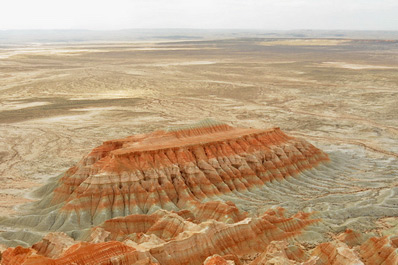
(190, 196)
(194, 169)
(190, 244)
(188, 250)
(380, 250)
(82, 253)
(168, 197)
(335, 253)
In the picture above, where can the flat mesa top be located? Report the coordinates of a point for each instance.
(186, 137)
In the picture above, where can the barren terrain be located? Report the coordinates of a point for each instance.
(60, 101)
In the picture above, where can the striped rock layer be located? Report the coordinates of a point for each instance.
(209, 170)
(180, 170)
(196, 250)
(186, 243)
(81, 253)
(172, 197)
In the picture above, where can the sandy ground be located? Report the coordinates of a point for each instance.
(59, 102)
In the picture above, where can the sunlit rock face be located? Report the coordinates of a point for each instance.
(168, 197)
(59, 101)
(176, 242)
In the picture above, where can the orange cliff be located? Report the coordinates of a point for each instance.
(170, 196)
(179, 170)
(189, 244)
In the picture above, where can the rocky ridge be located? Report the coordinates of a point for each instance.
(180, 197)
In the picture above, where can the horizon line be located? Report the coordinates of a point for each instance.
(209, 29)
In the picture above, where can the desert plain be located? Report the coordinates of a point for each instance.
(59, 101)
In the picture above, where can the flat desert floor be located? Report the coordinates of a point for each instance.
(58, 102)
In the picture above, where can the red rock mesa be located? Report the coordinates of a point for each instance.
(168, 197)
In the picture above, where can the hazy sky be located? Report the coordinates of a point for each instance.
(258, 14)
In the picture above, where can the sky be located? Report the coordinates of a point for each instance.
(204, 14)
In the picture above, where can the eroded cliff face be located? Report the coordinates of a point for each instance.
(197, 194)
(199, 170)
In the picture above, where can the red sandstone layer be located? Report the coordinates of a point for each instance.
(217, 246)
(180, 170)
(169, 240)
(172, 196)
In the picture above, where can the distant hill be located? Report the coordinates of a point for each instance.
(13, 37)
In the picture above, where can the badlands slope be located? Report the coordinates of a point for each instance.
(190, 191)
(201, 172)
(60, 101)
(182, 196)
